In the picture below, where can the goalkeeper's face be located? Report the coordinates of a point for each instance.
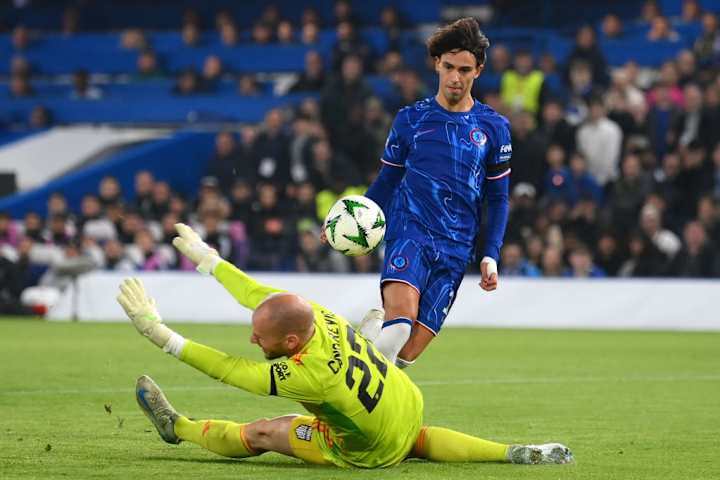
(272, 346)
(457, 70)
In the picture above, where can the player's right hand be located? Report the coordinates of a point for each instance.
(142, 312)
(192, 246)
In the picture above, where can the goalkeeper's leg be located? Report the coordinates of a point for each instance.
(229, 439)
(445, 445)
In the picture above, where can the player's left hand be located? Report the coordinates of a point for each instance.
(489, 274)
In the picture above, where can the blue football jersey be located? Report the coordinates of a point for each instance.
(448, 157)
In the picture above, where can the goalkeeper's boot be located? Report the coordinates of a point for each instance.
(537, 454)
(156, 407)
(372, 323)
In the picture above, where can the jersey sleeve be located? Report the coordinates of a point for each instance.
(396, 145)
(283, 379)
(497, 164)
(245, 289)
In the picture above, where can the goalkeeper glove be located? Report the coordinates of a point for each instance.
(191, 245)
(144, 315)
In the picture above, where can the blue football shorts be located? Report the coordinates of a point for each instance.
(436, 277)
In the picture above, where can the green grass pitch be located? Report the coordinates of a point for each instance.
(631, 405)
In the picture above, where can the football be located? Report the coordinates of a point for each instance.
(355, 225)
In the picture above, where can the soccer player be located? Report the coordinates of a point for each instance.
(445, 157)
(365, 411)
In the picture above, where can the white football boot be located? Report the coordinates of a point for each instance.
(371, 324)
(156, 407)
(540, 454)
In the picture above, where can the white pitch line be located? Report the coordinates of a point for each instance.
(421, 383)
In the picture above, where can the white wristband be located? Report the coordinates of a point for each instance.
(491, 265)
(175, 345)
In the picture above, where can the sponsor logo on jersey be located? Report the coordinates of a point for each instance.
(399, 263)
(304, 432)
(281, 371)
(478, 137)
(507, 148)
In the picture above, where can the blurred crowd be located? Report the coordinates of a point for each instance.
(615, 172)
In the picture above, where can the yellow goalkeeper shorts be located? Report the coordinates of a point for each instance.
(304, 437)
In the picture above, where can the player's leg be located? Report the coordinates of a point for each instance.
(437, 299)
(445, 445)
(402, 281)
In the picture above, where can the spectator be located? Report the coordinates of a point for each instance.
(558, 183)
(160, 200)
(310, 15)
(313, 77)
(600, 140)
(191, 35)
(314, 256)
(229, 35)
(144, 183)
(585, 185)
(20, 66)
(310, 33)
(693, 180)
(651, 224)
(691, 11)
(110, 191)
(188, 83)
(707, 46)
(554, 126)
(348, 44)
(92, 223)
(147, 66)
(211, 200)
(241, 201)
(248, 85)
(271, 234)
(20, 86)
(514, 264)
(392, 25)
(410, 89)
(709, 218)
(612, 27)
(115, 258)
(587, 50)
(286, 32)
(262, 33)
(271, 16)
(581, 264)
(82, 89)
(343, 12)
(20, 38)
(607, 254)
(70, 21)
(212, 233)
(686, 67)
(691, 122)
(224, 163)
(60, 230)
(623, 95)
(131, 224)
(552, 262)
(697, 257)
(500, 59)
(628, 192)
(147, 255)
(11, 286)
(57, 205)
(33, 227)
(521, 87)
(272, 149)
(40, 118)
(9, 234)
(650, 10)
(529, 144)
(211, 73)
(645, 259)
(133, 39)
(660, 31)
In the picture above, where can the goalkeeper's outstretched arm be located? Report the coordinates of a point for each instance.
(247, 291)
(236, 371)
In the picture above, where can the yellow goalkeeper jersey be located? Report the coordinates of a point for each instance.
(369, 412)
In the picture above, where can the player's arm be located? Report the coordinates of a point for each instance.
(497, 186)
(246, 290)
(255, 377)
(393, 163)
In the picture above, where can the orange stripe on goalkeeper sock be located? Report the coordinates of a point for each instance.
(218, 436)
(444, 445)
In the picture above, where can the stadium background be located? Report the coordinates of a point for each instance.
(248, 119)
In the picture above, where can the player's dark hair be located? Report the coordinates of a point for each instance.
(463, 34)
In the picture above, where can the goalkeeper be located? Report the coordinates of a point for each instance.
(364, 411)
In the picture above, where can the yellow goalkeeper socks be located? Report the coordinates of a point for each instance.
(444, 445)
(223, 438)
